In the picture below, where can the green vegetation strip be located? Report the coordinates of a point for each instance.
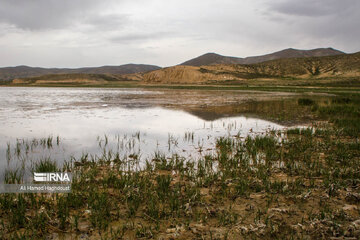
(127, 84)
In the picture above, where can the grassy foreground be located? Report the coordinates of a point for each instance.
(298, 184)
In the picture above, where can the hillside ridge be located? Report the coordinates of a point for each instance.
(22, 71)
(337, 66)
(214, 58)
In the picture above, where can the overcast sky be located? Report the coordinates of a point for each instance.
(77, 33)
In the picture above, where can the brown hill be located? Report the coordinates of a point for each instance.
(292, 53)
(213, 58)
(9, 73)
(178, 74)
(339, 66)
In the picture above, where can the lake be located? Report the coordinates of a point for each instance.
(60, 123)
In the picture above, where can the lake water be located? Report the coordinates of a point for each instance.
(128, 121)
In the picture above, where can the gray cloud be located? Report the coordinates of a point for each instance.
(47, 14)
(75, 33)
(329, 22)
(136, 37)
(107, 21)
(313, 8)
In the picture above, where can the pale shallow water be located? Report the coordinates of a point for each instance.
(84, 118)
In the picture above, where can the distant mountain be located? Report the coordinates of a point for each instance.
(343, 69)
(292, 53)
(341, 66)
(10, 73)
(133, 70)
(213, 58)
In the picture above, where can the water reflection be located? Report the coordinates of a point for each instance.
(84, 119)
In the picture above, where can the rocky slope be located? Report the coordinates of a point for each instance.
(345, 65)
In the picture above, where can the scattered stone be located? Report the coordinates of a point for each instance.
(325, 196)
(353, 197)
(188, 208)
(84, 236)
(197, 228)
(354, 229)
(249, 207)
(204, 191)
(243, 229)
(87, 213)
(304, 196)
(348, 207)
(356, 224)
(211, 211)
(279, 210)
(83, 226)
(171, 230)
(176, 231)
(298, 227)
(259, 229)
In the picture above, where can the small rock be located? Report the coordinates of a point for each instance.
(204, 191)
(194, 231)
(249, 207)
(354, 229)
(87, 213)
(188, 209)
(325, 196)
(356, 224)
(244, 229)
(197, 228)
(280, 210)
(348, 207)
(353, 197)
(175, 232)
(171, 230)
(306, 195)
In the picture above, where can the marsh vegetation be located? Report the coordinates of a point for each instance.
(291, 183)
